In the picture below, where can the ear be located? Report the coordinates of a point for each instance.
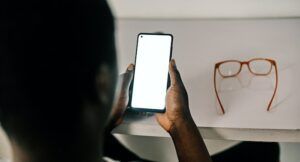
(96, 114)
(106, 82)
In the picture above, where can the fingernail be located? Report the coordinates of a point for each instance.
(174, 63)
(130, 67)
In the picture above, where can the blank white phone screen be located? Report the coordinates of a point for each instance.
(151, 71)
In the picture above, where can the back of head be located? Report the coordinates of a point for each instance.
(57, 71)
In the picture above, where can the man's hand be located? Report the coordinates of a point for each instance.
(177, 106)
(121, 97)
(177, 120)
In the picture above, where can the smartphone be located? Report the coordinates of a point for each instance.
(151, 74)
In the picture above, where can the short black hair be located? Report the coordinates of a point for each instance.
(50, 52)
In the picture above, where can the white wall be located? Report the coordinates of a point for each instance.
(205, 8)
(290, 152)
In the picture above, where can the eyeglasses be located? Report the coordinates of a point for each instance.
(256, 66)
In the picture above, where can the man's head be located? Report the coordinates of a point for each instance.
(57, 76)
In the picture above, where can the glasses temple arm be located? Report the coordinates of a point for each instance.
(215, 86)
(275, 90)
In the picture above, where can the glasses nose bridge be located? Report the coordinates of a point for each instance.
(244, 63)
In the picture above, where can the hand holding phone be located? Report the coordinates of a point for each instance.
(121, 98)
(177, 104)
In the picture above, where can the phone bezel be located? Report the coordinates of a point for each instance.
(132, 83)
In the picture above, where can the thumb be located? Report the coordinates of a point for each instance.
(163, 121)
(174, 73)
(127, 77)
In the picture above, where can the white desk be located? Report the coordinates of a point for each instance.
(198, 44)
(152, 129)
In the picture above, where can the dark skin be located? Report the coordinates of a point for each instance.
(121, 98)
(57, 81)
(177, 120)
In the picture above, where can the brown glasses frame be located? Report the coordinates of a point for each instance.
(273, 63)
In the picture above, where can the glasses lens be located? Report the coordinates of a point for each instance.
(260, 67)
(230, 68)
